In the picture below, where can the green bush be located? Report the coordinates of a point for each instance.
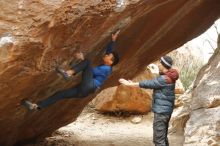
(188, 66)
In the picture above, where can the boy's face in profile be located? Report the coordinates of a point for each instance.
(108, 59)
(161, 69)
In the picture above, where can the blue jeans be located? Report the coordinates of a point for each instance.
(160, 129)
(83, 89)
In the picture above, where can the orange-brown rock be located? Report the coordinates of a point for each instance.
(125, 99)
(46, 33)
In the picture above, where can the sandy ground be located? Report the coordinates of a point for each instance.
(95, 129)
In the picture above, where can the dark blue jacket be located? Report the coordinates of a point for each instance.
(163, 94)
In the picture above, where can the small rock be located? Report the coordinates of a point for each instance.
(136, 120)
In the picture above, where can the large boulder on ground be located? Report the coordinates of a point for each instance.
(203, 127)
(125, 99)
(43, 33)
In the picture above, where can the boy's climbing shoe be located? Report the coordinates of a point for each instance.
(79, 55)
(63, 73)
(28, 105)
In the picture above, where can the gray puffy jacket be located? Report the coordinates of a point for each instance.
(163, 94)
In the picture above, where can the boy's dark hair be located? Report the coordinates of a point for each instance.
(115, 58)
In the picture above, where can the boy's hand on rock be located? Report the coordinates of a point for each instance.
(115, 35)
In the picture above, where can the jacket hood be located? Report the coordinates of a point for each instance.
(172, 75)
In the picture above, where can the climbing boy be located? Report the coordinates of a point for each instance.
(92, 78)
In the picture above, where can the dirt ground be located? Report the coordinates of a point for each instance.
(95, 129)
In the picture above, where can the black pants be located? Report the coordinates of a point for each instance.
(160, 129)
(83, 89)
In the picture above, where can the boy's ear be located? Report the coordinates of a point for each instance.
(112, 61)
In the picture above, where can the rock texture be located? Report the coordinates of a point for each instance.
(181, 114)
(203, 127)
(43, 33)
(125, 99)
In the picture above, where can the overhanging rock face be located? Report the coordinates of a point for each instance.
(37, 35)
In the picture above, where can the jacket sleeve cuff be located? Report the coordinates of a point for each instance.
(141, 84)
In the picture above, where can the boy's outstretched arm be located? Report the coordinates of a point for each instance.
(129, 83)
(111, 44)
(156, 83)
